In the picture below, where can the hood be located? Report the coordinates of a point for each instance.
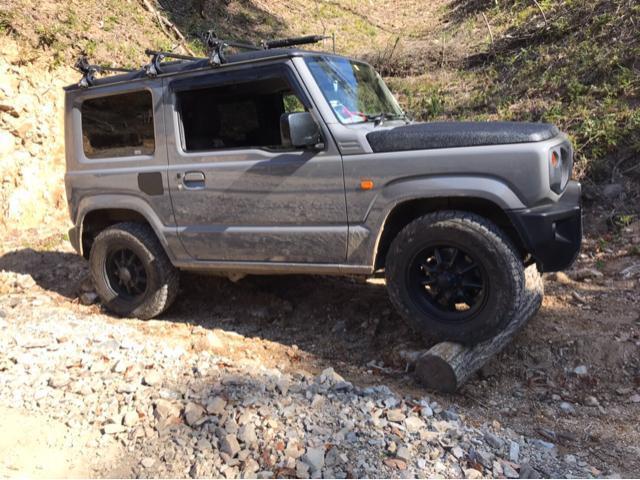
(425, 136)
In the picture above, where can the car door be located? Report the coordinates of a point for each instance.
(238, 192)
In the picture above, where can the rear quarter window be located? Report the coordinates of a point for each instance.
(118, 125)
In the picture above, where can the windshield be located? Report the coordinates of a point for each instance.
(354, 90)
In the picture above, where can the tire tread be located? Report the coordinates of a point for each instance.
(169, 276)
(468, 221)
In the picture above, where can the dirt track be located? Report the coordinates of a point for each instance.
(532, 388)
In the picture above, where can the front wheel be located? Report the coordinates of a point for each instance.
(132, 274)
(455, 276)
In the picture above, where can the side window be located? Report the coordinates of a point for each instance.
(118, 125)
(292, 104)
(240, 115)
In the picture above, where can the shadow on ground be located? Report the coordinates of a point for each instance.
(347, 319)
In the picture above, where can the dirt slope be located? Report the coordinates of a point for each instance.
(571, 63)
(571, 380)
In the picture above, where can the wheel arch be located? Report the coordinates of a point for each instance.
(407, 211)
(99, 213)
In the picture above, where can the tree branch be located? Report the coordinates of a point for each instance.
(164, 23)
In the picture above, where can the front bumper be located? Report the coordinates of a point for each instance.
(552, 234)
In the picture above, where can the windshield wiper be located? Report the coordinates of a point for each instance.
(379, 118)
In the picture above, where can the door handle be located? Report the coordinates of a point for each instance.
(193, 180)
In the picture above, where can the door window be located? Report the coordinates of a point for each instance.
(240, 115)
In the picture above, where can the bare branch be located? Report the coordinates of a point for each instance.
(490, 31)
(546, 24)
(164, 23)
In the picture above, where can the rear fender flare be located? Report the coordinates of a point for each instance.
(125, 202)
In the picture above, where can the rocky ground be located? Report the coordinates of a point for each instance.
(303, 376)
(163, 408)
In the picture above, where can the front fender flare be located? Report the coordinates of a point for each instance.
(401, 191)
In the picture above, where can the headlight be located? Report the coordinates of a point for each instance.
(560, 165)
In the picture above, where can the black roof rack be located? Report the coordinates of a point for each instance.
(216, 56)
(90, 71)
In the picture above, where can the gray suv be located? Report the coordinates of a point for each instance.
(289, 161)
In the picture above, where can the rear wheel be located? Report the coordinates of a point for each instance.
(454, 275)
(132, 273)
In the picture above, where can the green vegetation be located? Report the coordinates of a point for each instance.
(576, 66)
(570, 62)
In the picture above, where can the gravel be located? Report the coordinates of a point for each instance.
(177, 411)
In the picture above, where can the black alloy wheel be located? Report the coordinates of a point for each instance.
(126, 273)
(446, 281)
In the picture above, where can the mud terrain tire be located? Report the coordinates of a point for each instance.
(131, 271)
(465, 297)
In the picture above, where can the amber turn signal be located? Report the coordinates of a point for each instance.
(555, 159)
(366, 184)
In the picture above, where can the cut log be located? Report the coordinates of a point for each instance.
(447, 365)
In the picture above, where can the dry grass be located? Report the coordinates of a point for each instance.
(570, 62)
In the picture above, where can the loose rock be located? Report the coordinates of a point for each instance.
(314, 458)
(230, 445)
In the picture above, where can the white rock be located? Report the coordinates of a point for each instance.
(113, 428)
(330, 376)
(509, 471)
(152, 378)
(129, 387)
(395, 415)
(119, 367)
(426, 411)
(88, 298)
(314, 458)
(59, 380)
(166, 410)
(193, 413)
(457, 452)
(283, 384)
(580, 370)
(216, 406)
(413, 424)
(403, 453)
(130, 418)
(247, 434)
(7, 142)
(591, 401)
(567, 408)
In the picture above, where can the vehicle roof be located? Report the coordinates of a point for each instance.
(181, 66)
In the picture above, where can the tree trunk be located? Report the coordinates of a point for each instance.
(447, 365)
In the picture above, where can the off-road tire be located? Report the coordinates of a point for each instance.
(162, 278)
(482, 240)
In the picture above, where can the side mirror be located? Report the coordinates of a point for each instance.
(299, 130)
